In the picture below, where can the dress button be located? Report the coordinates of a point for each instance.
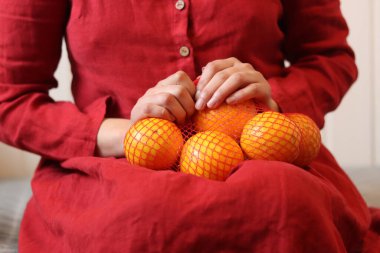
(179, 5)
(184, 51)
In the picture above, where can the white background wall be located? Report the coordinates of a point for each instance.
(352, 132)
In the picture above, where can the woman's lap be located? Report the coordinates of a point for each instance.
(95, 204)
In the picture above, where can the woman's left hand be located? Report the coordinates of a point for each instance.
(232, 81)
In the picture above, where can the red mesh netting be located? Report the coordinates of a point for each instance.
(271, 136)
(310, 138)
(153, 143)
(228, 119)
(213, 142)
(210, 154)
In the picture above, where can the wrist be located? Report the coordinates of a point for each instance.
(111, 136)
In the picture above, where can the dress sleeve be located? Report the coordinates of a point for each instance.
(31, 35)
(322, 65)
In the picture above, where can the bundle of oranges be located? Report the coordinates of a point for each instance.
(217, 140)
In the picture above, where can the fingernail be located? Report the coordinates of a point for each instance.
(200, 104)
(212, 102)
(231, 100)
(203, 68)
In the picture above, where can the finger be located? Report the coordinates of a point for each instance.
(148, 106)
(235, 82)
(170, 102)
(180, 93)
(214, 67)
(179, 78)
(216, 81)
(258, 91)
(151, 111)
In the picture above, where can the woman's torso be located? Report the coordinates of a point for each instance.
(121, 48)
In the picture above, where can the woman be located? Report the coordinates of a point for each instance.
(137, 59)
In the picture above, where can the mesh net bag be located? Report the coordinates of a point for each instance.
(153, 143)
(310, 138)
(207, 145)
(228, 119)
(210, 154)
(213, 142)
(271, 136)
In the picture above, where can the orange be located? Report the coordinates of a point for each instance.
(310, 138)
(153, 143)
(211, 155)
(271, 136)
(228, 119)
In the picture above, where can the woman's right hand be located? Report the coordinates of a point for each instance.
(171, 99)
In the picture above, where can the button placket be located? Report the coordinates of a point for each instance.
(182, 41)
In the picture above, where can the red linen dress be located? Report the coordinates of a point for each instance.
(118, 49)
